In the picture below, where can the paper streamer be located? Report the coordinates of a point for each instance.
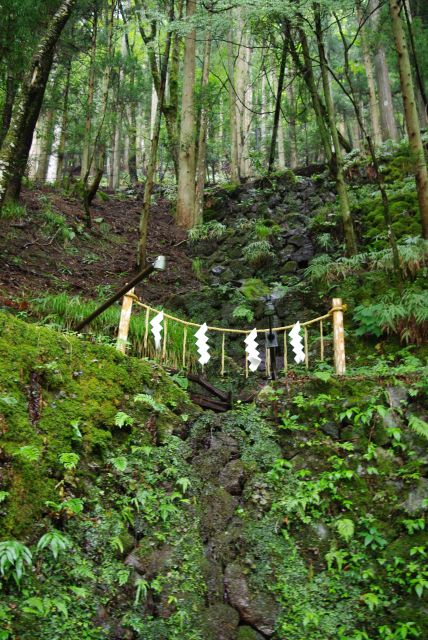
(252, 350)
(202, 344)
(296, 343)
(157, 329)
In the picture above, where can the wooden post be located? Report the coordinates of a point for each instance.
(338, 337)
(125, 320)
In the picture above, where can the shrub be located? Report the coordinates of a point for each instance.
(259, 253)
(209, 231)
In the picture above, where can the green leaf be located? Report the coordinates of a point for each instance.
(419, 426)
(122, 419)
(345, 529)
(325, 376)
(120, 463)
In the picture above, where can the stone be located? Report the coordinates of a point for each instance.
(257, 609)
(304, 254)
(152, 563)
(214, 580)
(218, 270)
(288, 267)
(248, 633)
(330, 429)
(297, 240)
(397, 396)
(232, 477)
(220, 622)
(217, 509)
(417, 498)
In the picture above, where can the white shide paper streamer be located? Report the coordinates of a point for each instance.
(202, 344)
(297, 344)
(252, 350)
(157, 329)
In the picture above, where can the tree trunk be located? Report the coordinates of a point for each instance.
(411, 114)
(350, 241)
(373, 101)
(387, 120)
(16, 148)
(7, 106)
(234, 171)
(292, 125)
(64, 124)
(277, 114)
(99, 149)
(46, 146)
(201, 165)
(243, 93)
(90, 101)
(186, 156)
(151, 168)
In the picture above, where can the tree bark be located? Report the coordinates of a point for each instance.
(348, 227)
(411, 114)
(234, 171)
(16, 148)
(90, 101)
(292, 125)
(186, 155)
(46, 146)
(388, 124)
(64, 124)
(7, 106)
(151, 168)
(277, 114)
(201, 165)
(368, 66)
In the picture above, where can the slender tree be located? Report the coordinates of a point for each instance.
(16, 147)
(186, 156)
(411, 113)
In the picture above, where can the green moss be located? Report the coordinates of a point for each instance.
(71, 381)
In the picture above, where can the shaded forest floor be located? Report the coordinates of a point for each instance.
(46, 248)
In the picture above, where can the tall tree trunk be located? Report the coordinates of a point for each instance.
(234, 170)
(292, 124)
(46, 146)
(7, 106)
(90, 101)
(151, 168)
(358, 108)
(16, 147)
(201, 164)
(99, 148)
(411, 114)
(373, 101)
(348, 227)
(186, 156)
(243, 95)
(64, 124)
(277, 114)
(388, 124)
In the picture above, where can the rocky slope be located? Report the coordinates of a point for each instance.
(299, 517)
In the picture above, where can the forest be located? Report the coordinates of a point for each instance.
(213, 319)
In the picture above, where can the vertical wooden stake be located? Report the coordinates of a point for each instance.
(285, 352)
(306, 349)
(338, 337)
(124, 322)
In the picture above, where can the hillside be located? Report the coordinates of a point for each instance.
(299, 516)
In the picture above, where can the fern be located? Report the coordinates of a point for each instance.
(419, 426)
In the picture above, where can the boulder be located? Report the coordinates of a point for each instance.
(232, 477)
(257, 609)
(220, 622)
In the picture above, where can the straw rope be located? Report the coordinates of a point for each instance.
(186, 323)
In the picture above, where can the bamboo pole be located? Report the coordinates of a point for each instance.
(338, 337)
(124, 322)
